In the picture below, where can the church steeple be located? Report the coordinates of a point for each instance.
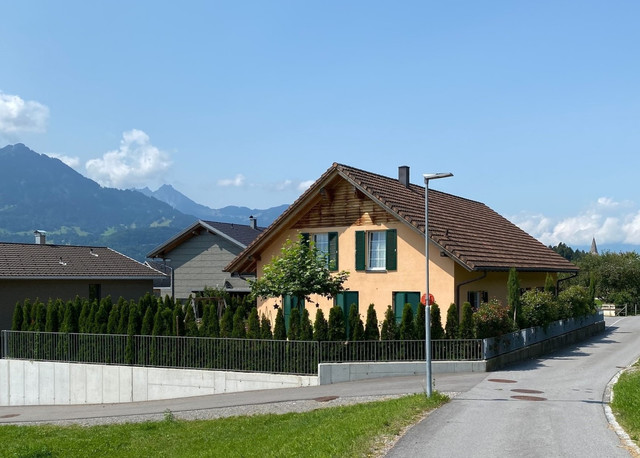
(594, 247)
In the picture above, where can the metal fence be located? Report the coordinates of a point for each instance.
(273, 356)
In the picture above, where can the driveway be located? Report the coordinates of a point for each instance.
(548, 407)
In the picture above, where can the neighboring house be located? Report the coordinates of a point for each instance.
(197, 256)
(41, 271)
(373, 227)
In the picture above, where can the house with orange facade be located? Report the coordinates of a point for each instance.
(373, 226)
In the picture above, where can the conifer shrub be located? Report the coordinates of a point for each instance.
(226, 323)
(371, 330)
(147, 322)
(294, 324)
(253, 325)
(466, 322)
(353, 319)
(51, 321)
(320, 327)
(419, 325)
(265, 328)
(406, 330)
(437, 331)
(452, 327)
(70, 321)
(18, 315)
(337, 329)
(239, 330)
(389, 329)
(26, 315)
(306, 328)
(279, 328)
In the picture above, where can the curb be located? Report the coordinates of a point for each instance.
(622, 434)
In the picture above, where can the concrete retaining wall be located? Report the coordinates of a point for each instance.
(51, 383)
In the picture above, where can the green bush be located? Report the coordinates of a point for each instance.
(406, 330)
(453, 323)
(492, 319)
(437, 331)
(389, 329)
(371, 331)
(578, 299)
(466, 323)
(320, 327)
(539, 308)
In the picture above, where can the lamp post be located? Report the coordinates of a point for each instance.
(427, 305)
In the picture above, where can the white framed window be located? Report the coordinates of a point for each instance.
(321, 242)
(377, 252)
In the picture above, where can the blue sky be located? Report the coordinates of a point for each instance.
(534, 106)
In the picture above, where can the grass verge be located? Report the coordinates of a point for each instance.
(348, 431)
(626, 402)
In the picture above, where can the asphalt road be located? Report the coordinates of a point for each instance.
(552, 406)
(548, 407)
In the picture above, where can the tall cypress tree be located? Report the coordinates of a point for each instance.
(40, 321)
(101, 319)
(226, 323)
(239, 331)
(51, 322)
(294, 324)
(406, 331)
(320, 327)
(337, 328)
(18, 315)
(515, 302)
(419, 325)
(265, 328)
(26, 315)
(437, 331)
(466, 322)
(147, 322)
(253, 325)
(353, 319)
(371, 331)
(279, 329)
(453, 322)
(306, 328)
(178, 320)
(70, 323)
(190, 325)
(389, 329)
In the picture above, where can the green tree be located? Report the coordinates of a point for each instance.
(226, 323)
(549, 284)
(306, 328)
(453, 323)
(253, 324)
(190, 325)
(40, 321)
(279, 329)
(18, 315)
(239, 331)
(492, 319)
(52, 324)
(466, 323)
(371, 331)
(389, 329)
(406, 330)
(265, 328)
(320, 327)
(160, 325)
(353, 320)
(419, 324)
(437, 331)
(123, 320)
(70, 321)
(134, 322)
(147, 322)
(26, 315)
(337, 329)
(515, 303)
(299, 271)
(294, 324)
(178, 320)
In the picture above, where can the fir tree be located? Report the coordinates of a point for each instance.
(279, 329)
(294, 324)
(239, 331)
(352, 320)
(178, 320)
(226, 323)
(306, 328)
(265, 328)
(515, 301)
(18, 315)
(419, 326)
(133, 322)
(91, 318)
(160, 326)
(190, 325)
(371, 331)
(406, 331)
(253, 325)
(147, 322)
(466, 323)
(320, 327)
(549, 284)
(101, 318)
(204, 326)
(437, 332)
(83, 317)
(337, 329)
(70, 323)
(26, 315)
(453, 322)
(389, 329)
(51, 322)
(40, 321)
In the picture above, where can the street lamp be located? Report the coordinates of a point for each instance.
(427, 304)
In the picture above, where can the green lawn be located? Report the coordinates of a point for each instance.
(626, 402)
(331, 432)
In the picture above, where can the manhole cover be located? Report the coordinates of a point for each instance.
(522, 390)
(10, 415)
(502, 380)
(528, 398)
(325, 398)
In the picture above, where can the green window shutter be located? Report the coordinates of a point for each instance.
(392, 249)
(414, 300)
(400, 300)
(333, 251)
(361, 250)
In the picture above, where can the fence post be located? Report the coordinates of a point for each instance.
(5, 346)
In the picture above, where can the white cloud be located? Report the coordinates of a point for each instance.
(237, 181)
(304, 185)
(136, 163)
(17, 115)
(73, 162)
(607, 220)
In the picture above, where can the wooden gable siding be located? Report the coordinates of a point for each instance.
(342, 205)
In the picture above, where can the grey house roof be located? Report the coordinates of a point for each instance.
(34, 261)
(239, 234)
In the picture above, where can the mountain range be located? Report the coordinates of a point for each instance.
(38, 192)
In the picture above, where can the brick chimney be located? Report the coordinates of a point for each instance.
(41, 237)
(403, 175)
(253, 222)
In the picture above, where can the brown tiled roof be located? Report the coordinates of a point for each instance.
(33, 261)
(468, 231)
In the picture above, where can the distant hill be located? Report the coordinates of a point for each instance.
(229, 214)
(38, 192)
